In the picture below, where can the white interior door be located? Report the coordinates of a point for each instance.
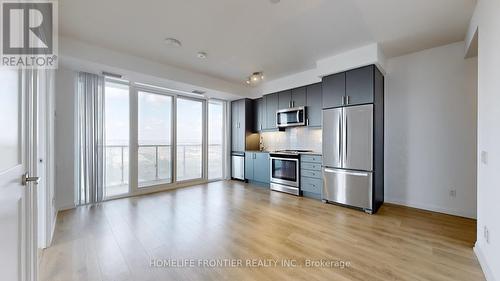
(17, 201)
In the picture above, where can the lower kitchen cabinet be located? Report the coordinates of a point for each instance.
(311, 179)
(257, 167)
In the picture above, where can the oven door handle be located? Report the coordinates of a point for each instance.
(289, 159)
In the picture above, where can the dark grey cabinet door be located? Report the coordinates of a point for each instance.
(314, 105)
(359, 85)
(334, 88)
(258, 115)
(242, 124)
(249, 165)
(271, 102)
(299, 97)
(261, 171)
(234, 126)
(285, 99)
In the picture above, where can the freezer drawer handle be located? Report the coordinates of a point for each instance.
(346, 173)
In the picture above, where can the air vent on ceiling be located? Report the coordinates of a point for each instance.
(198, 92)
(112, 75)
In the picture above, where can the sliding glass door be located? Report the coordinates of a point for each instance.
(161, 137)
(189, 139)
(215, 139)
(154, 159)
(116, 130)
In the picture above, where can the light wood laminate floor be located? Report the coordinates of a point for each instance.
(117, 240)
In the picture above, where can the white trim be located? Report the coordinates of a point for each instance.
(488, 274)
(431, 208)
(53, 229)
(64, 208)
(150, 190)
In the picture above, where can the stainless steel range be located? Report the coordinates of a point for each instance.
(285, 171)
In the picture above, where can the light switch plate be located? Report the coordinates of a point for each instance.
(484, 157)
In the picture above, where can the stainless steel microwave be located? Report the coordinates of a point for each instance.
(291, 117)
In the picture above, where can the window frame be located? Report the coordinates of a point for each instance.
(223, 103)
(134, 89)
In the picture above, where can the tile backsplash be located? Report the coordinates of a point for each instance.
(293, 138)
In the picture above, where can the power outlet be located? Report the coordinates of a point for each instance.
(486, 234)
(484, 157)
(453, 193)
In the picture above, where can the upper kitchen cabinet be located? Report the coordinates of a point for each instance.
(353, 87)
(314, 103)
(299, 97)
(235, 124)
(334, 89)
(271, 105)
(284, 99)
(360, 85)
(241, 123)
(259, 115)
(292, 98)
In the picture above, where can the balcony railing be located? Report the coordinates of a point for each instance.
(155, 164)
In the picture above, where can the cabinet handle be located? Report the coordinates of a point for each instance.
(293, 103)
(307, 122)
(347, 100)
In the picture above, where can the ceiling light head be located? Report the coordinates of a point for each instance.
(255, 78)
(274, 1)
(172, 42)
(202, 55)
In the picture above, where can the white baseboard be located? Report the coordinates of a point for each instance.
(431, 208)
(64, 208)
(484, 265)
(54, 220)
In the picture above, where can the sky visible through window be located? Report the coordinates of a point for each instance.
(155, 119)
(116, 114)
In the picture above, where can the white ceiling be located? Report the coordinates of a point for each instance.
(241, 37)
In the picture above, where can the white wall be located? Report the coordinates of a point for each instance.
(80, 56)
(486, 19)
(65, 138)
(362, 56)
(430, 130)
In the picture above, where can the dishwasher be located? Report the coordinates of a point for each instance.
(238, 165)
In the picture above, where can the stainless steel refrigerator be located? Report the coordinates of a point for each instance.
(348, 146)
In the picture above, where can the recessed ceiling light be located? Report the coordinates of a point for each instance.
(173, 42)
(202, 55)
(274, 1)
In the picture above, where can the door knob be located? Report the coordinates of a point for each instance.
(26, 179)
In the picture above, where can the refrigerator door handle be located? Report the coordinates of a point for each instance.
(344, 138)
(360, 174)
(340, 138)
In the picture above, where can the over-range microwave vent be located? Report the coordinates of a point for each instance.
(291, 117)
